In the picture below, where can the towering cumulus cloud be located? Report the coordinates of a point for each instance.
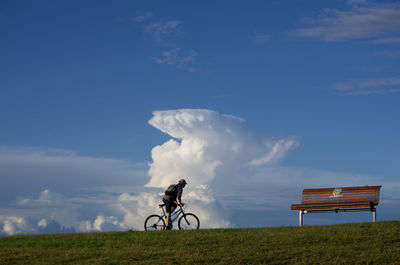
(206, 142)
(213, 152)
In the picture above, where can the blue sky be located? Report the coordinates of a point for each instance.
(80, 81)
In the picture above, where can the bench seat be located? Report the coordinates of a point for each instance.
(333, 205)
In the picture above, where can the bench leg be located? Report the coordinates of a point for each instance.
(300, 218)
(373, 215)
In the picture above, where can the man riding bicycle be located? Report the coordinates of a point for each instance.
(172, 198)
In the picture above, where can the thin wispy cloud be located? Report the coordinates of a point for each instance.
(357, 22)
(388, 41)
(260, 39)
(159, 29)
(388, 53)
(178, 59)
(369, 86)
(143, 16)
(356, 2)
(61, 169)
(164, 29)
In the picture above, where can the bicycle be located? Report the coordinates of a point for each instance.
(187, 221)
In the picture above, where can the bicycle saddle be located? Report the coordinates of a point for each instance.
(161, 205)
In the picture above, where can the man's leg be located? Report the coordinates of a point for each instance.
(168, 210)
(169, 223)
(167, 219)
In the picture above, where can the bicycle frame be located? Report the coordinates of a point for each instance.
(174, 215)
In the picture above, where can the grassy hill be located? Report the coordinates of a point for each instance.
(364, 243)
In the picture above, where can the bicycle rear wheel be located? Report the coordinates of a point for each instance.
(189, 221)
(154, 223)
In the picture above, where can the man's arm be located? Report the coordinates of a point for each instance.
(179, 195)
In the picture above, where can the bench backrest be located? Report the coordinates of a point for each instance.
(365, 193)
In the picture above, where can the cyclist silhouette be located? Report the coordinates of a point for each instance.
(172, 199)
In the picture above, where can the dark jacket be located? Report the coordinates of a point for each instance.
(177, 194)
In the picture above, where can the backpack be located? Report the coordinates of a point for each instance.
(171, 190)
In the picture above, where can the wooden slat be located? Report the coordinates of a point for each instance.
(332, 205)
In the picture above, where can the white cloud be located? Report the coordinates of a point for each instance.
(388, 53)
(358, 22)
(210, 149)
(102, 221)
(164, 29)
(143, 16)
(175, 58)
(260, 39)
(276, 151)
(52, 206)
(135, 209)
(42, 223)
(12, 225)
(85, 226)
(393, 40)
(209, 142)
(53, 212)
(356, 2)
(369, 86)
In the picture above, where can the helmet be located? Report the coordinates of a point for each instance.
(182, 181)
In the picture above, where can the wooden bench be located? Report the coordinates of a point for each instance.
(345, 199)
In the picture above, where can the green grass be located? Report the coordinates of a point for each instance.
(364, 243)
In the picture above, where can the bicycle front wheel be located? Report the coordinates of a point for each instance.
(188, 221)
(154, 223)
